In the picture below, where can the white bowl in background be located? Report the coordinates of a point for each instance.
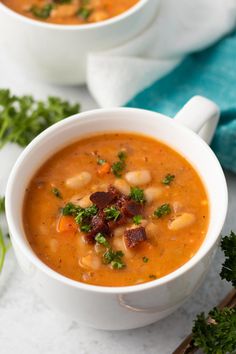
(57, 53)
(118, 308)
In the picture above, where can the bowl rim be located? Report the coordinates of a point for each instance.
(32, 257)
(77, 27)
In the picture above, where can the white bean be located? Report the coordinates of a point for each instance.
(138, 178)
(119, 244)
(122, 186)
(152, 230)
(152, 193)
(90, 262)
(119, 231)
(79, 181)
(181, 221)
(84, 202)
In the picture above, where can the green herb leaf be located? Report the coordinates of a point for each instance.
(84, 13)
(216, 333)
(137, 194)
(2, 205)
(82, 215)
(137, 219)
(112, 213)
(228, 245)
(168, 179)
(85, 228)
(57, 193)
(42, 12)
(163, 210)
(122, 155)
(101, 161)
(86, 213)
(118, 167)
(3, 249)
(145, 259)
(114, 258)
(22, 118)
(71, 209)
(101, 239)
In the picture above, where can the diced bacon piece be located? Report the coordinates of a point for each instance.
(102, 199)
(134, 236)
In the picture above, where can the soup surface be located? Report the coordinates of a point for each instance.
(70, 12)
(116, 210)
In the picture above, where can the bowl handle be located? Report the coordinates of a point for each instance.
(200, 115)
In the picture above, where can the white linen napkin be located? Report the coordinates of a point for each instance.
(181, 27)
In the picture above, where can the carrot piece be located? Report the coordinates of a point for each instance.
(104, 169)
(66, 223)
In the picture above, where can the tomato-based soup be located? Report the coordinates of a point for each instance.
(116, 210)
(70, 12)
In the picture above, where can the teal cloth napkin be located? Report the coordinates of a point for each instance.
(210, 73)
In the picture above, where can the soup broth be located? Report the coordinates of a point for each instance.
(116, 210)
(70, 12)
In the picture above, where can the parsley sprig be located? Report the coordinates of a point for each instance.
(215, 333)
(228, 245)
(22, 118)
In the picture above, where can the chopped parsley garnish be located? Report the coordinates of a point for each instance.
(168, 179)
(71, 209)
(101, 161)
(152, 276)
(145, 259)
(101, 239)
(85, 213)
(137, 194)
(163, 210)
(228, 245)
(2, 205)
(85, 228)
(110, 256)
(114, 258)
(42, 12)
(112, 213)
(22, 118)
(82, 215)
(118, 167)
(57, 193)
(137, 219)
(84, 13)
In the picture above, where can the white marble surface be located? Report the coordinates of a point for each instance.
(28, 326)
